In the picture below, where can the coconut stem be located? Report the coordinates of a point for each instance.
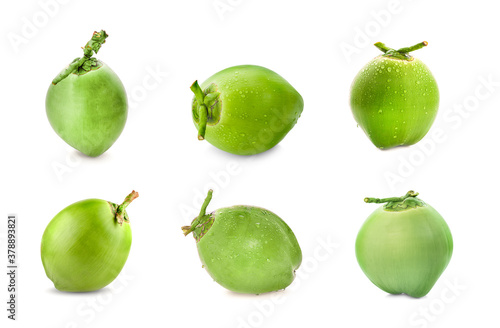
(382, 47)
(93, 46)
(410, 193)
(414, 47)
(402, 53)
(203, 211)
(202, 109)
(121, 216)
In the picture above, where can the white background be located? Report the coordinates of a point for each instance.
(315, 179)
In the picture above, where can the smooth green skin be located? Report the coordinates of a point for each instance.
(404, 252)
(250, 250)
(88, 111)
(394, 101)
(259, 108)
(84, 248)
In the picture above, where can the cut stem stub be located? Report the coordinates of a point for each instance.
(202, 109)
(204, 103)
(201, 217)
(87, 61)
(409, 200)
(410, 193)
(121, 215)
(401, 53)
